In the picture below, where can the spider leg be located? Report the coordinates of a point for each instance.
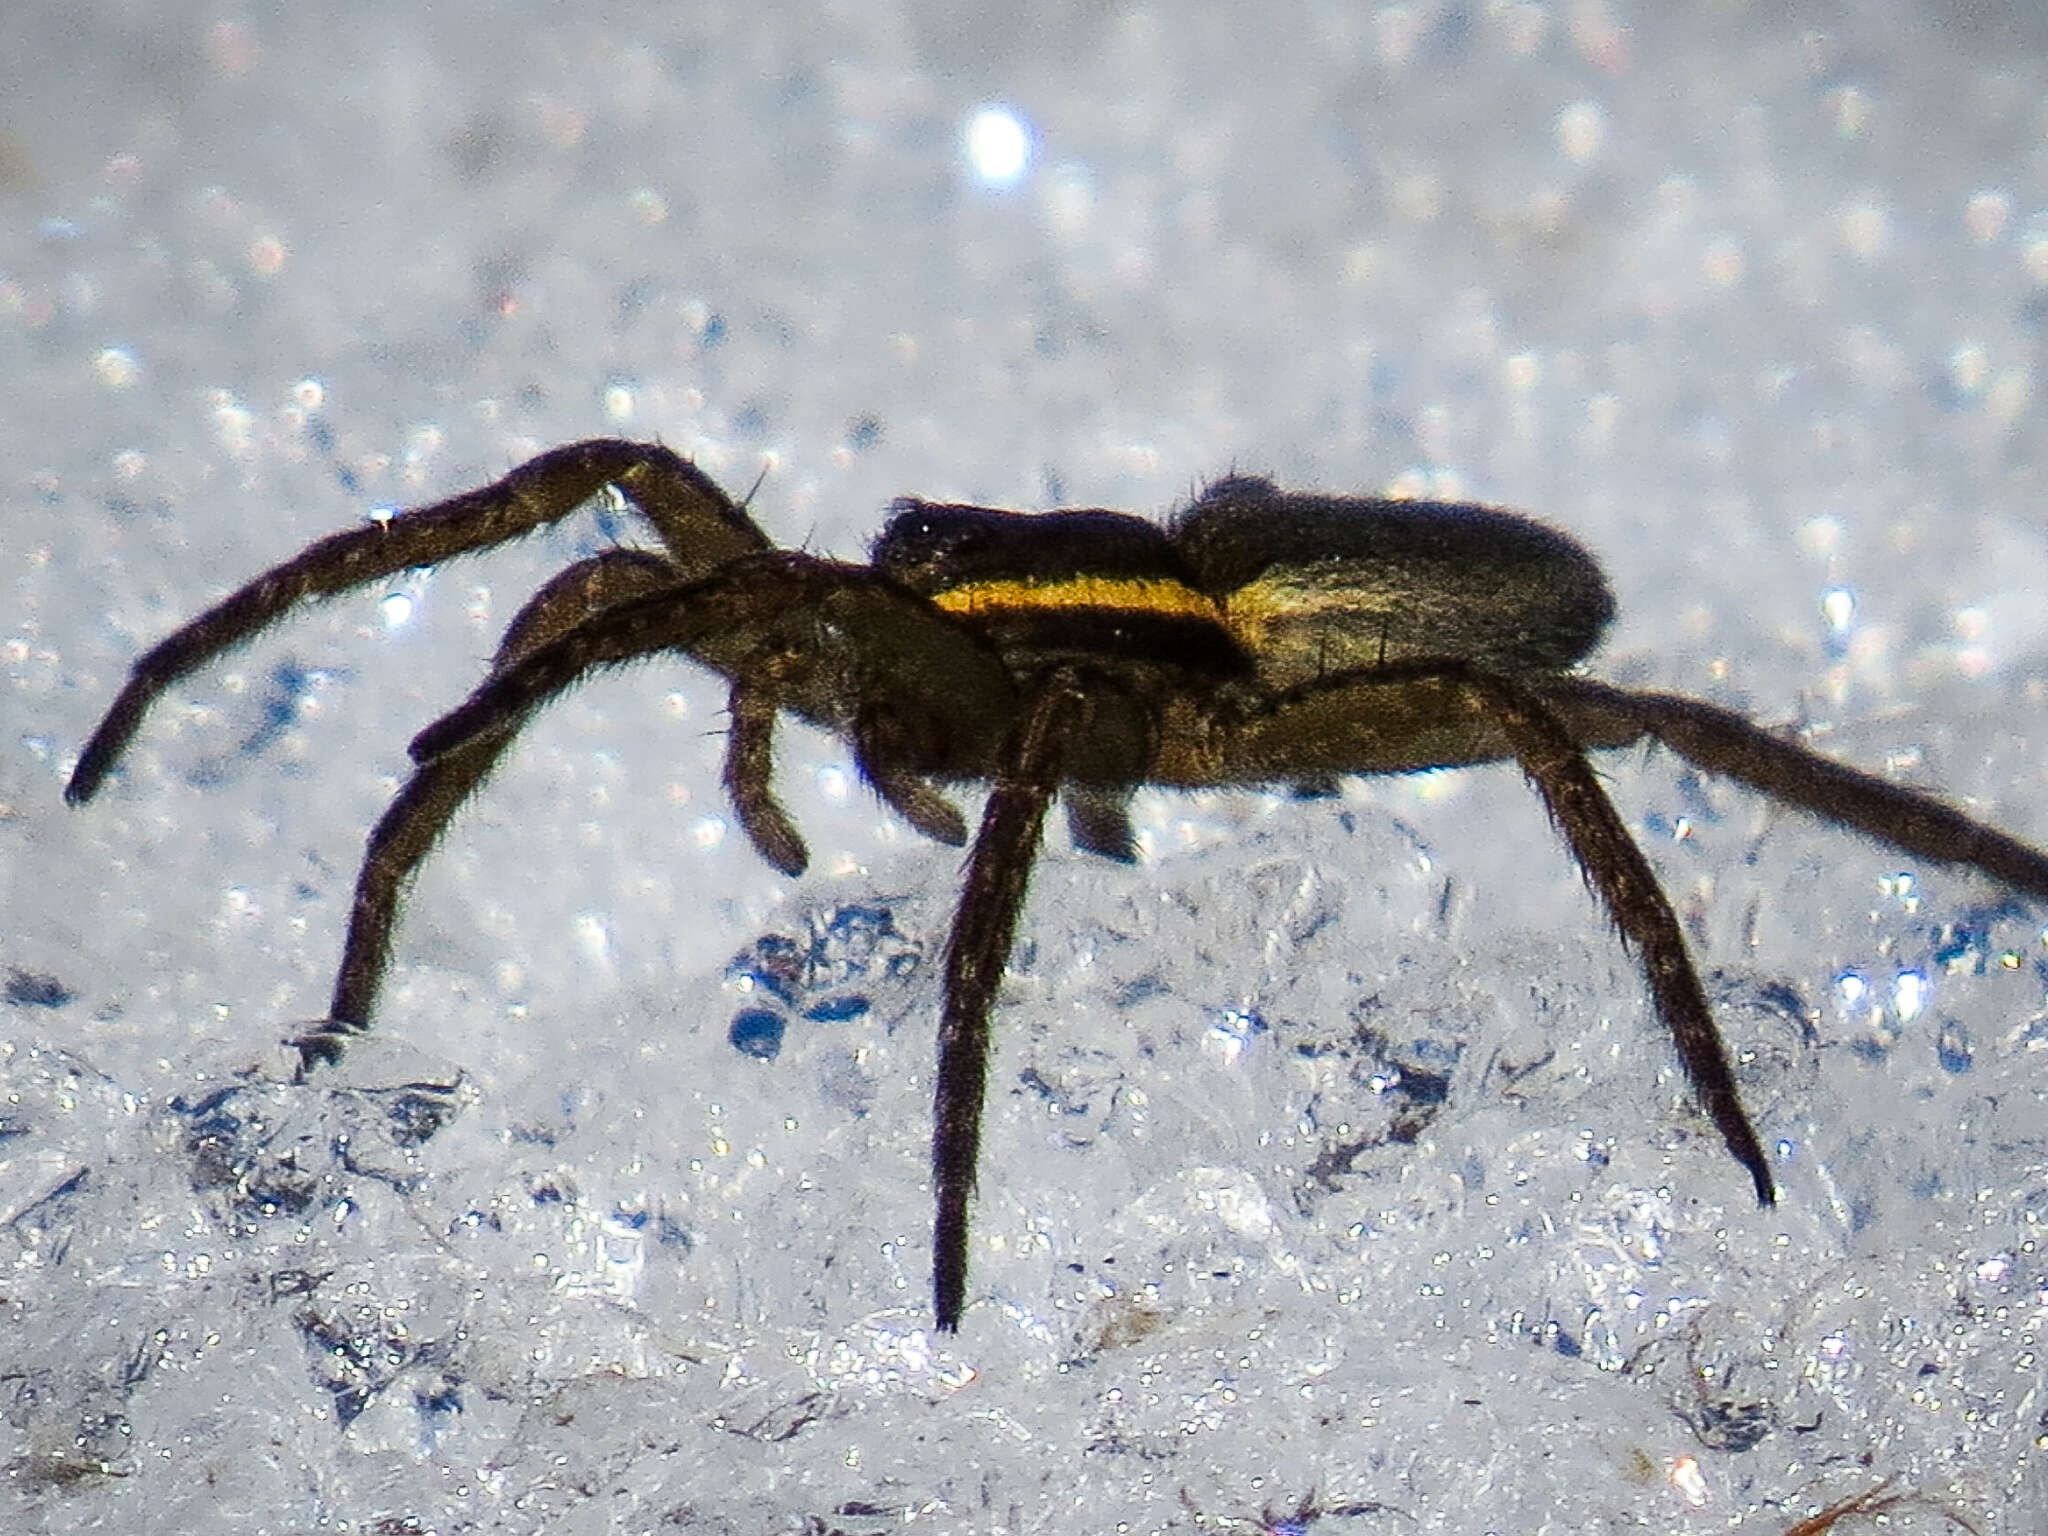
(809, 633)
(1099, 821)
(414, 821)
(1415, 714)
(984, 927)
(700, 525)
(1620, 875)
(1722, 742)
(617, 607)
(914, 799)
(402, 838)
(749, 764)
(681, 618)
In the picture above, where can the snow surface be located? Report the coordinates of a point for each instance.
(1337, 1177)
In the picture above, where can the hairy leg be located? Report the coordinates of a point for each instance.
(415, 820)
(1099, 821)
(749, 774)
(1414, 714)
(914, 692)
(1622, 878)
(679, 619)
(1725, 743)
(701, 526)
(984, 928)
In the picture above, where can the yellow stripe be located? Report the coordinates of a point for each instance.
(1258, 606)
(1122, 593)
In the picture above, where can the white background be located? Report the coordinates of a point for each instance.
(1748, 297)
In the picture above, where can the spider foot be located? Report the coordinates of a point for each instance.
(417, 1090)
(321, 1045)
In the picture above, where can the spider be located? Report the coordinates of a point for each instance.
(1260, 638)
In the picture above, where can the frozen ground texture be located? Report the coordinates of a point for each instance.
(1336, 1174)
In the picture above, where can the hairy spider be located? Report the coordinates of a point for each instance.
(1261, 638)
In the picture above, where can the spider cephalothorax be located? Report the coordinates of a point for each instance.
(1261, 638)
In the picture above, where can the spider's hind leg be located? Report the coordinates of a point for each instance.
(1428, 712)
(1555, 763)
(1722, 742)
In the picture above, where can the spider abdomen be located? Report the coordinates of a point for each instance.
(1311, 586)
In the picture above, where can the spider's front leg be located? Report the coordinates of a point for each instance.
(700, 525)
(428, 801)
(912, 692)
(611, 608)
